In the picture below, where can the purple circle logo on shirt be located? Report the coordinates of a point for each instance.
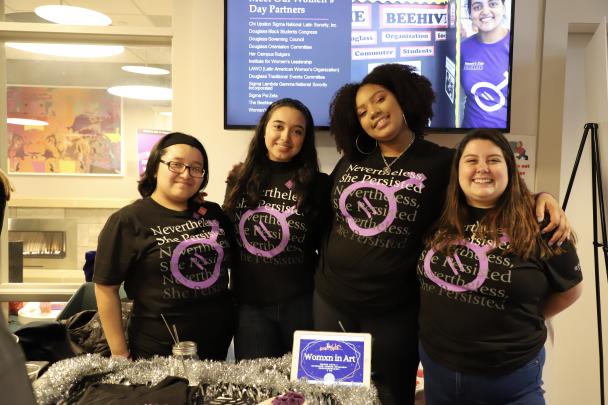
(198, 260)
(482, 273)
(416, 181)
(262, 231)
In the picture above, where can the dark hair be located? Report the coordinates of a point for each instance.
(469, 5)
(6, 185)
(147, 181)
(413, 92)
(252, 177)
(513, 213)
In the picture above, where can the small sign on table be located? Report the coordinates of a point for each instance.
(332, 358)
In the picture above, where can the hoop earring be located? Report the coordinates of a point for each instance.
(359, 149)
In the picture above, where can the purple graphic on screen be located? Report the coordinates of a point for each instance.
(482, 273)
(416, 181)
(199, 261)
(262, 231)
(488, 96)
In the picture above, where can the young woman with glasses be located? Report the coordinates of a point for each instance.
(173, 255)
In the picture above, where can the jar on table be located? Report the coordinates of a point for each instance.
(185, 350)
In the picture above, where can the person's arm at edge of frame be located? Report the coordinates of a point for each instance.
(110, 314)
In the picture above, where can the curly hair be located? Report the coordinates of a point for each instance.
(513, 213)
(147, 182)
(251, 178)
(413, 92)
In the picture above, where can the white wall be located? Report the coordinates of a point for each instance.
(558, 16)
(571, 374)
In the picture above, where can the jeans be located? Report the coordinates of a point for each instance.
(394, 346)
(267, 330)
(523, 386)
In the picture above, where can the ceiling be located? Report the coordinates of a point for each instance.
(136, 13)
(139, 13)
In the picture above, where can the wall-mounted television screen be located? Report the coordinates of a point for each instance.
(307, 49)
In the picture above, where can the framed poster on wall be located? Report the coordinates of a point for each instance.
(82, 134)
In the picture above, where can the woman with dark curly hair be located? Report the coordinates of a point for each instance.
(388, 189)
(173, 255)
(278, 201)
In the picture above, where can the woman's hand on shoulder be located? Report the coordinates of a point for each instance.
(558, 222)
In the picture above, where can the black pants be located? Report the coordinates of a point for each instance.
(394, 346)
(211, 327)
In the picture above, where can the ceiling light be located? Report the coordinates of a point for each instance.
(70, 15)
(142, 92)
(69, 50)
(26, 121)
(145, 70)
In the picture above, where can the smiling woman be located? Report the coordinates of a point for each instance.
(482, 173)
(485, 66)
(285, 132)
(278, 201)
(179, 177)
(173, 255)
(488, 280)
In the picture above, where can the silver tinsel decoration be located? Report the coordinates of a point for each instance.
(252, 380)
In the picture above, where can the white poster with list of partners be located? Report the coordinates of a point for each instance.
(524, 149)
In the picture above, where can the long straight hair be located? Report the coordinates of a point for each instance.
(512, 215)
(251, 178)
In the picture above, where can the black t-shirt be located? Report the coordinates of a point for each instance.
(172, 262)
(481, 310)
(368, 261)
(278, 243)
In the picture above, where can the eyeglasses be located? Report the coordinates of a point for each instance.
(177, 167)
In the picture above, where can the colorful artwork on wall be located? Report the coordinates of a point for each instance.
(83, 135)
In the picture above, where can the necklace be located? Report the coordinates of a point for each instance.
(387, 165)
